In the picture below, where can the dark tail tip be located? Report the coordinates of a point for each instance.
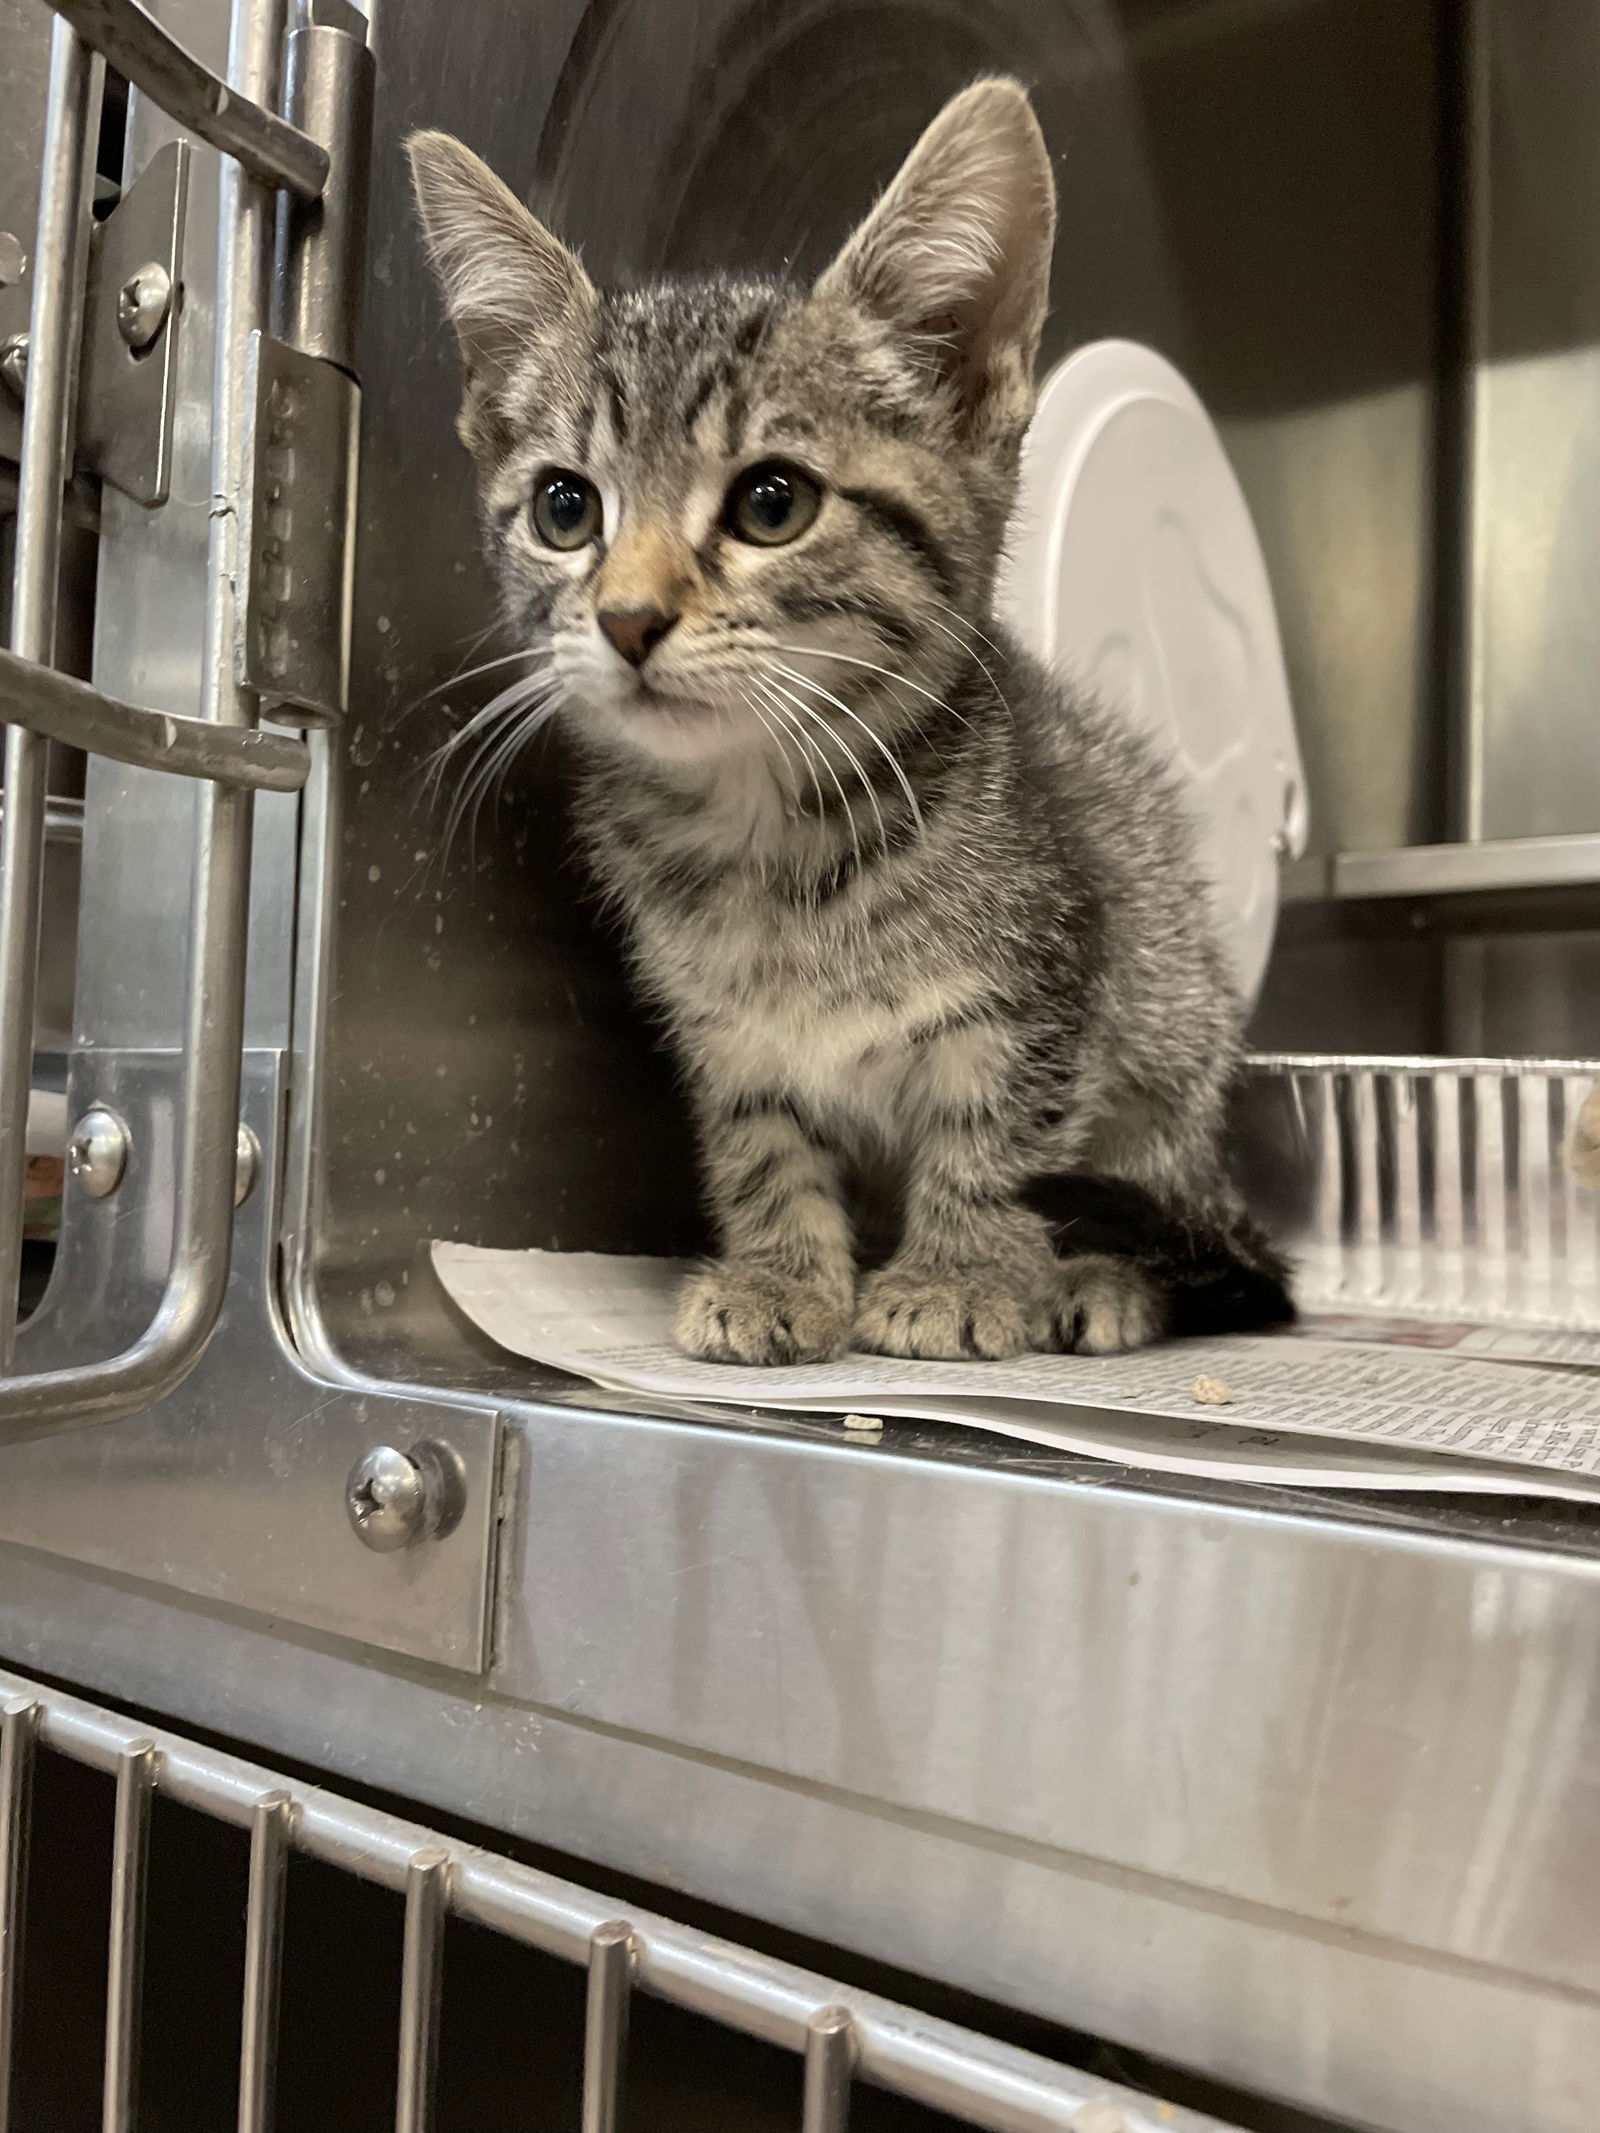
(1219, 1275)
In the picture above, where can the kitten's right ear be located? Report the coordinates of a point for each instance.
(509, 286)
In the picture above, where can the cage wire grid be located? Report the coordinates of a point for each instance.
(842, 2036)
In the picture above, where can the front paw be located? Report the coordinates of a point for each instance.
(732, 1312)
(1104, 1306)
(963, 1315)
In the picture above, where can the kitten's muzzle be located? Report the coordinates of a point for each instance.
(634, 632)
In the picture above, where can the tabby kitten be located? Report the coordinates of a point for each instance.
(901, 897)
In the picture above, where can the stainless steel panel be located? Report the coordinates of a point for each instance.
(1313, 1808)
(1535, 642)
(233, 1488)
(1342, 497)
(1524, 994)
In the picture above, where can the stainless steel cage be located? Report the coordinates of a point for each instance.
(1293, 1790)
(844, 2036)
(273, 404)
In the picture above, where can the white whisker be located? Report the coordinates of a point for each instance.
(819, 652)
(471, 674)
(770, 689)
(977, 657)
(850, 756)
(877, 741)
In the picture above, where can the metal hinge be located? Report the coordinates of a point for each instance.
(298, 511)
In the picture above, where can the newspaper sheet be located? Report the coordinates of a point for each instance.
(1330, 1410)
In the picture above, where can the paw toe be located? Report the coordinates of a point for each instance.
(743, 1314)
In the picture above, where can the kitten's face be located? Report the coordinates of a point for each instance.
(739, 517)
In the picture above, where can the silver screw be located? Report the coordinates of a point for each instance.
(396, 1498)
(97, 1154)
(13, 259)
(14, 363)
(143, 302)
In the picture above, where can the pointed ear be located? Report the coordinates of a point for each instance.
(956, 255)
(508, 284)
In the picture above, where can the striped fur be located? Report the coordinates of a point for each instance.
(905, 903)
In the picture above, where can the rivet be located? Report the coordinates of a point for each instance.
(143, 302)
(97, 1153)
(394, 1499)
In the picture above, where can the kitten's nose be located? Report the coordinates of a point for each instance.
(635, 631)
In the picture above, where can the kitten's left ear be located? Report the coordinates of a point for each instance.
(956, 255)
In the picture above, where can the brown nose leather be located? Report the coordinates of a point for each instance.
(635, 631)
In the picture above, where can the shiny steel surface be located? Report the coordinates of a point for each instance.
(1448, 869)
(52, 368)
(37, 700)
(1265, 1813)
(233, 1489)
(1431, 1188)
(1534, 642)
(959, 2071)
(221, 112)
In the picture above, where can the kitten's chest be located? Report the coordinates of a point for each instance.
(767, 997)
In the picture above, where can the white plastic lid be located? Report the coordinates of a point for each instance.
(1133, 565)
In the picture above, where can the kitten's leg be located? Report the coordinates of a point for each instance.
(783, 1290)
(973, 1271)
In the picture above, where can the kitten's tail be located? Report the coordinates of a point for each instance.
(1217, 1272)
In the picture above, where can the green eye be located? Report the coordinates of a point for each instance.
(770, 504)
(566, 510)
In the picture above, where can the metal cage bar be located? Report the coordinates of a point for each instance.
(830, 2069)
(136, 1782)
(273, 151)
(421, 1977)
(271, 1822)
(840, 2033)
(46, 414)
(57, 707)
(605, 2024)
(191, 1303)
(18, 1727)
